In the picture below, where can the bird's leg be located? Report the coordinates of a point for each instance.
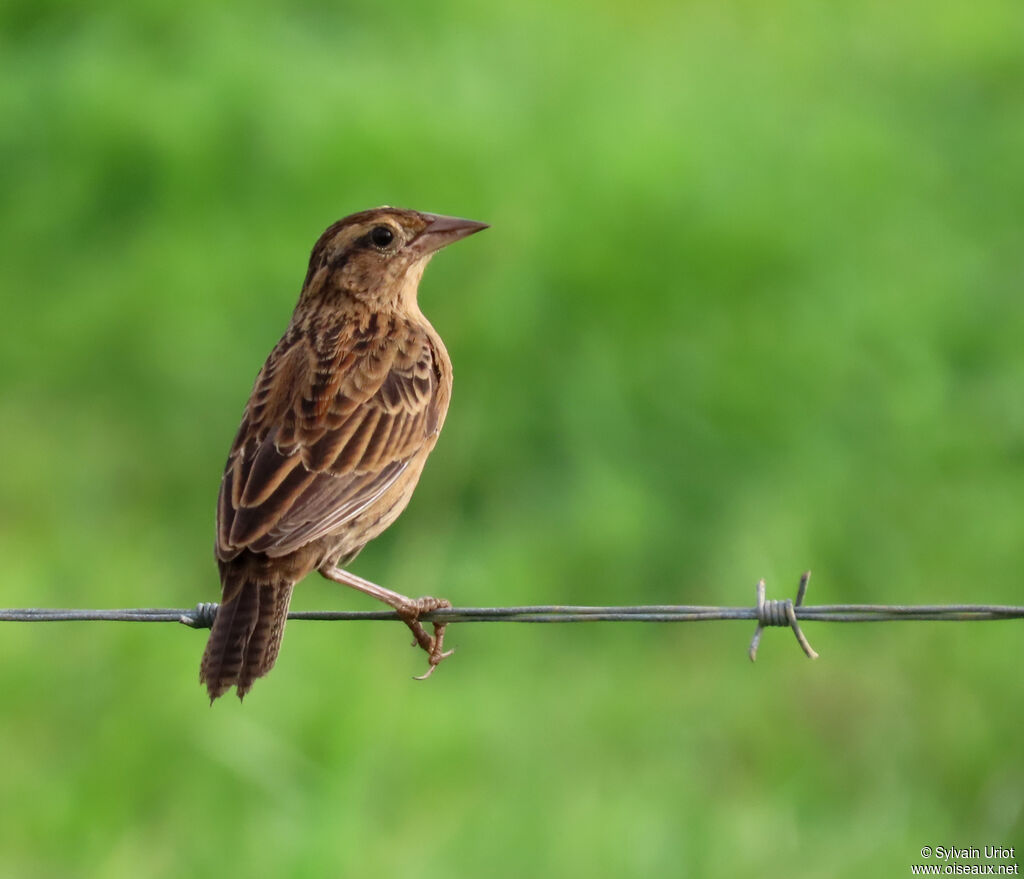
(409, 609)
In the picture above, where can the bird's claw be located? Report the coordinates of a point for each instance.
(433, 646)
(436, 655)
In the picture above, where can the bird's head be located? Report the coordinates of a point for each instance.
(378, 256)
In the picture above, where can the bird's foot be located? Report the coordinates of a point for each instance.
(410, 612)
(409, 609)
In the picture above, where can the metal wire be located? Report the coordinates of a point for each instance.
(785, 612)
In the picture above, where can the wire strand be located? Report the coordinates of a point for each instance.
(768, 613)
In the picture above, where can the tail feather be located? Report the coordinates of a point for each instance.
(282, 598)
(246, 636)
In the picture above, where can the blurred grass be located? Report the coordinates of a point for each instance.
(750, 303)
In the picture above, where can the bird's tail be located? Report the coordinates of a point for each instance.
(246, 634)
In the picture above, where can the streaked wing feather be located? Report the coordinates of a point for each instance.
(325, 435)
(332, 501)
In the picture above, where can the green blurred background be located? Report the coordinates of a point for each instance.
(751, 303)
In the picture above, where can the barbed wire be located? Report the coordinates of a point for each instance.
(767, 612)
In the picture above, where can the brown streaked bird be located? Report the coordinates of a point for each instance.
(334, 437)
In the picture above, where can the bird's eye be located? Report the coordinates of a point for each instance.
(381, 236)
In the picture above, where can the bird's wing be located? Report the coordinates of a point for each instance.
(325, 435)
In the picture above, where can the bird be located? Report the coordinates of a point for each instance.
(333, 439)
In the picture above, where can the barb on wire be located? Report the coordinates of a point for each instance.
(780, 613)
(785, 612)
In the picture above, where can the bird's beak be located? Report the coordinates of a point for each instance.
(442, 231)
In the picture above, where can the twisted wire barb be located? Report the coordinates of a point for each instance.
(780, 613)
(785, 612)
